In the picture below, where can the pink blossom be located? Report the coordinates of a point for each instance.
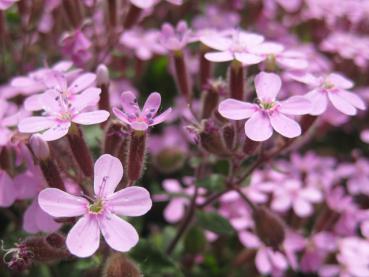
(6, 4)
(175, 38)
(214, 17)
(357, 175)
(140, 120)
(269, 114)
(291, 194)
(145, 43)
(76, 46)
(146, 4)
(102, 214)
(333, 87)
(60, 113)
(239, 46)
(365, 136)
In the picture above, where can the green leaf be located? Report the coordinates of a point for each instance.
(153, 262)
(195, 241)
(214, 182)
(214, 222)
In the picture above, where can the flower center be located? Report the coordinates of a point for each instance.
(267, 105)
(96, 207)
(328, 84)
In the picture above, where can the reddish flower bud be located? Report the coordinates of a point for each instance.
(211, 139)
(102, 82)
(236, 80)
(132, 16)
(118, 265)
(136, 154)
(39, 147)
(182, 75)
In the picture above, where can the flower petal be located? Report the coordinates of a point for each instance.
(121, 116)
(90, 118)
(216, 42)
(281, 203)
(35, 124)
(139, 126)
(108, 173)
(58, 203)
(88, 97)
(152, 104)
(267, 86)
(284, 125)
(318, 100)
(175, 210)
(56, 132)
(8, 192)
(82, 82)
(341, 104)
(235, 109)
(84, 238)
(247, 58)
(172, 186)
(129, 103)
(352, 98)
(262, 261)
(131, 201)
(258, 127)
(340, 81)
(297, 105)
(161, 117)
(302, 207)
(224, 56)
(118, 233)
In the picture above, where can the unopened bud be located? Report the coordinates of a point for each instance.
(39, 147)
(205, 66)
(210, 97)
(229, 137)
(132, 16)
(136, 154)
(250, 146)
(182, 75)
(269, 227)
(118, 265)
(115, 133)
(169, 160)
(102, 81)
(236, 80)
(211, 139)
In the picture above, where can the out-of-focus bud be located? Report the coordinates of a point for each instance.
(205, 66)
(250, 146)
(269, 227)
(229, 137)
(118, 265)
(169, 160)
(47, 249)
(132, 16)
(136, 154)
(181, 74)
(39, 147)
(236, 80)
(307, 122)
(210, 97)
(102, 81)
(115, 133)
(211, 139)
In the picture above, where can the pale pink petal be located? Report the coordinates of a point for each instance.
(318, 100)
(89, 118)
(311, 194)
(249, 39)
(56, 132)
(364, 228)
(293, 63)
(152, 104)
(139, 126)
(224, 56)
(174, 211)
(82, 82)
(267, 86)
(329, 270)
(365, 136)
(340, 81)
(278, 260)
(22, 82)
(50, 101)
(352, 98)
(281, 203)
(284, 125)
(55, 80)
(88, 97)
(248, 239)
(129, 103)
(258, 127)
(58, 203)
(35, 124)
(306, 78)
(235, 109)
(108, 173)
(130, 201)
(247, 58)
(161, 117)
(262, 261)
(84, 238)
(268, 48)
(216, 42)
(8, 193)
(341, 104)
(119, 234)
(62, 66)
(302, 208)
(172, 186)
(296, 105)
(143, 4)
(121, 116)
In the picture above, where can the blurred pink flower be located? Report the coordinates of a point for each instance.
(239, 46)
(76, 45)
(146, 4)
(269, 114)
(214, 17)
(140, 120)
(333, 87)
(84, 238)
(365, 136)
(175, 38)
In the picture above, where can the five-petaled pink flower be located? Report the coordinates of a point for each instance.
(138, 119)
(238, 47)
(333, 87)
(269, 113)
(61, 112)
(102, 214)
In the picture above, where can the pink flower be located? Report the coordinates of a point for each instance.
(269, 114)
(60, 113)
(365, 136)
(77, 46)
(140, 120)
(238, 47)
(146, 4)
(290, 193)
(175, 38)
(102, 215)
(334, 88)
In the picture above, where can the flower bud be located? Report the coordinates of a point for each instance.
(102, 81)
(169, 160)
(250, 146)
(39, 147)
(136, 154)
(236, 80)
(114, 135)
(205, 66)
(229, 137)
(210, 97)
(211, 139)
(118, 265)
(269, 227)
(182, 75)
(132, 16)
